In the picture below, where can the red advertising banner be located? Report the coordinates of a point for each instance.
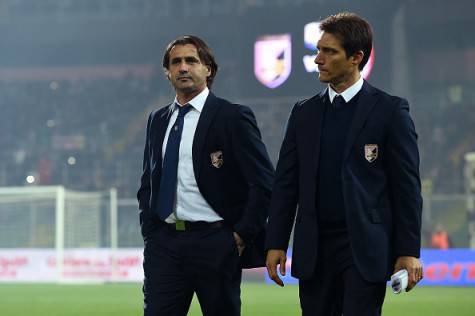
(79, 265)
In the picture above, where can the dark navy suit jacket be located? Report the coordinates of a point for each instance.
(239, 190)
(382, 198)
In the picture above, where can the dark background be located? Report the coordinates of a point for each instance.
(71, 84)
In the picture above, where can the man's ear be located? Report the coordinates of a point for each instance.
(167, 73)
(357, 57)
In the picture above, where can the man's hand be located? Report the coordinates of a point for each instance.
(239, 243)
(414, 270)
(275, 257)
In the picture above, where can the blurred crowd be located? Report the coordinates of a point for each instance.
(446, 129)
(89, 134)
(86, 135)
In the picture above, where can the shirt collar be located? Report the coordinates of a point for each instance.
(349, 93)
(198, 102)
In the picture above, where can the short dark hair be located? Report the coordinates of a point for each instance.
(354, 32)
(204, 52)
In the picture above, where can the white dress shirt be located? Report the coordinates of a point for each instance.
(189, 204)
(349, 93)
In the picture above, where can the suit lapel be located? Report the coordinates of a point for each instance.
(206, 118)
(366, 102)
(162, 124)
(315, 121)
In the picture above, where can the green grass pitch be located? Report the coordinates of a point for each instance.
(257, 299)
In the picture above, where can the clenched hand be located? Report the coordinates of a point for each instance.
(414, 270)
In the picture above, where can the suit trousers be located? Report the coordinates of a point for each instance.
(178, 264)
(337, 287)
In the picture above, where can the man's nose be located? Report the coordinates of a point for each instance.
(318, 59)
(183, 67)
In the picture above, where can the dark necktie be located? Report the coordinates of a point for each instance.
(338, 102)
(168, 179)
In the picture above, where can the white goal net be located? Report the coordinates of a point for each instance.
(52, 217)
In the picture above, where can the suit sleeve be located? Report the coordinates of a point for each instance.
(284, 199)
(254, 163)
(143, 194)
(404, 181)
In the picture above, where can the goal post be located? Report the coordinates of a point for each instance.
(59, 233)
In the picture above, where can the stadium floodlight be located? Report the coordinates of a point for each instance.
(51, 217)
(469, 174)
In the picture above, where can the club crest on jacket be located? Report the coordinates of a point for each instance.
(371, 152)
(217, 159)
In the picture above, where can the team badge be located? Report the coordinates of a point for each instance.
(273, 59)
(217, 159)
(371, 152)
